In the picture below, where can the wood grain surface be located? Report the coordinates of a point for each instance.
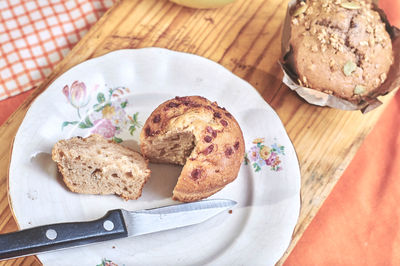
(245, 38)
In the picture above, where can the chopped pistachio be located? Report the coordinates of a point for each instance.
(350, 5)
(349, 68)
(359, 89)
(300, 10)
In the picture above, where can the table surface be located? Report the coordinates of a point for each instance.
(244, 37)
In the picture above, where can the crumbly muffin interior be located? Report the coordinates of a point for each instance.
(173, 147)
(95, 166)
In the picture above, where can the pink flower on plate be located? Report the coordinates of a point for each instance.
(76, 94)
(272, 160)
(104, 127)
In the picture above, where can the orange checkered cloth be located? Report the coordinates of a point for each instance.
(36, 35)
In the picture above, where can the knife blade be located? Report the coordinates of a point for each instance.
(115, 224)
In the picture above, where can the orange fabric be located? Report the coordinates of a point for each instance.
(8, 106)
(392, 9)
(359, 223)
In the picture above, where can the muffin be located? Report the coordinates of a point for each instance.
(198, 134)
(94, 165)
(340, 47)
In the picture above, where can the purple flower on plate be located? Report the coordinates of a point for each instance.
(272, 159)
(104, 127)
(261, 154)
(76, 94)
(254, 154)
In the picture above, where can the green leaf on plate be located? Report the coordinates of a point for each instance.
(66, 123)
(132, 129)
(135, 116)
(246, 159)
(88, 122)
(101, 98)
(117, 140)
(98, 107)
(82, 125)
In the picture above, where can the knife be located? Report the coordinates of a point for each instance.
(115, 224)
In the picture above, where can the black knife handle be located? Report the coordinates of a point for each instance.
(63, 235)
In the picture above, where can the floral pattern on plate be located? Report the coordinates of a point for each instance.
(106, 262)
(107, 117)
(260, 155)
(244, 232)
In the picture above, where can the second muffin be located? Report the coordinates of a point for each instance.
(340, 47)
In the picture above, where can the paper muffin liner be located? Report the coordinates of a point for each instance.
(316, 97)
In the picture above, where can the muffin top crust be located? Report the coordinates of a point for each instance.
(340, 47)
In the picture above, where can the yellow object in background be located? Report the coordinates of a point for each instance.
(202, 3)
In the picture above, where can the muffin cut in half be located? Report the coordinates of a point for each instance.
(94, 165)
(198, 134)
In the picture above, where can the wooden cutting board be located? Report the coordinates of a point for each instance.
(245, 38)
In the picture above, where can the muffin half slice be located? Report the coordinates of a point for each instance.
(94, 165)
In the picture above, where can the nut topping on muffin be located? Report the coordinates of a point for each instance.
(339, 45)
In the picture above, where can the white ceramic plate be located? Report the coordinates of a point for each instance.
(113, 95)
